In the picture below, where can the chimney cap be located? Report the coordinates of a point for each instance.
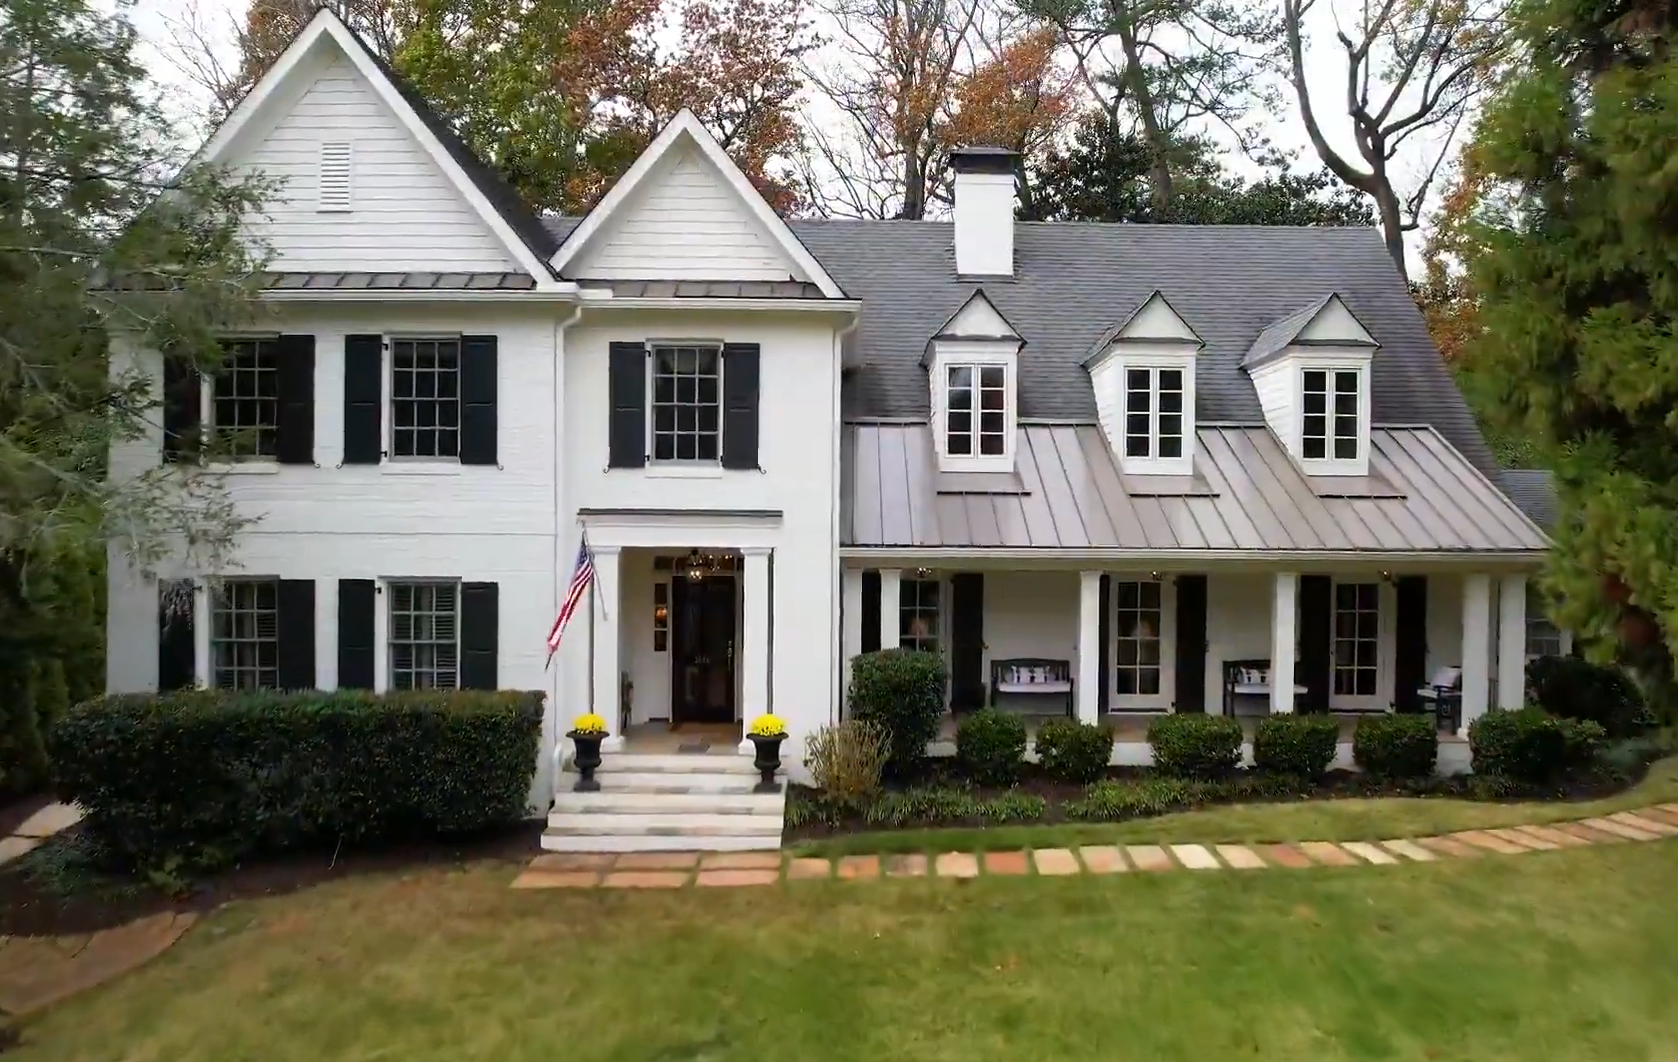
(984, 158)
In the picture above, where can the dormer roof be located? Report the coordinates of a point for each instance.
(1326, 322)
(1154, 321)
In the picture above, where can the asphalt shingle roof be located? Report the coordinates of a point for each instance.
(1534, 491)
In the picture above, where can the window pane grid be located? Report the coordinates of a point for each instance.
(1137, 653)
(976, 411)
(425, 398)
(1153, 413)
(1330, 420)
(687, 403)
(1357, 624)
(1543, 636)
(245, 635)
(424, 636)
(917, 614)
(245, 397)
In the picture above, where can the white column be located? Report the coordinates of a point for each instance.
(1476, 646)
(201, 623)
(607, 604)
(381, 636)
(850, 606)
(1511, 641)
(1283, 617)
(891, 587)
(754, 654)
(1090, 678)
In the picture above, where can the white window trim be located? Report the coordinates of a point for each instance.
(383, 664)
(680, 469)
(1386, 646)
(976, 353)
(387, 402)
(1331, 363)
(1153, 465)
(211, 588)
(1166, 698)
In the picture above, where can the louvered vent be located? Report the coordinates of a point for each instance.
(335, 176)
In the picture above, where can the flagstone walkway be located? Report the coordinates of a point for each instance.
(675, 870)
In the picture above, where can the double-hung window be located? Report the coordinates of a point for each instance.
(245, 635)
(244, 404)
(1544, 638)
(976, 410)
(424, 635)
(686, 403)
(1154, 425)
(1330, 402)
(425, 397)
(918, 614)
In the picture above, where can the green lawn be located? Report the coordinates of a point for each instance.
(1323, 820)
(1566, 955)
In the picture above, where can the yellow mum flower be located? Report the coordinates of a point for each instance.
(588, 725)
(768, 726)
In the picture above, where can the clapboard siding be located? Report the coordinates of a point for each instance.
(406, 215)
(687, 224)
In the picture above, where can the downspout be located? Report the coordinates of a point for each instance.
(836, 627)
(561, 325)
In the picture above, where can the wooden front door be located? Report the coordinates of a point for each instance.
(702, 650)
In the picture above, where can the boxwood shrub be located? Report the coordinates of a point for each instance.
(1533, 747)
(902, 692)
(1396, 746)
(1195, 746)
(990, 747)
(1300, 745)
(1578, 689)
(205, 777)
(1071, 751)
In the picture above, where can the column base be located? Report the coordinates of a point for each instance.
(612, 744)
(746, 748)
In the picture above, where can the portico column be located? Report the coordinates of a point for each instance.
(754, 653)
(1476, 646)
(605, 608)
(202, 621)
(1089, 647)
(1511, 641)
(891, 588)
(850, 639)
(1283, 618)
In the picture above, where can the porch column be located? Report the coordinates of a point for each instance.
(1476, 646)
(1511, 641)
(1088, 691)
(754, 650)
(202, 620)
(1283, 617)
(850, 639)
(604, 610)
(891, 627)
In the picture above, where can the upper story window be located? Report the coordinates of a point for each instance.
(686, 403)
(244, 398)
(425, 398)
(424, 635)
(1153, 413)
(245, 635)
(1329, 401)
(976, 410)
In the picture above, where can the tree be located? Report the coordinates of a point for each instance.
(1569, 255)
(1414, 68)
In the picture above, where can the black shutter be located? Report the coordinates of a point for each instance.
(297, 634)
(182, 390)
(479, 383)
(967, 640)
(176, 647)
(356, 602)
(1316, 619)
(480, 618)
(870, 612)
(294, 432)
(1191, 643)
(363, 399)
(1103, 639)
(739, 405)
(1410, 648)
(627, 435)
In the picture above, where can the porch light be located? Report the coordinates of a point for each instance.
(1155, 576)
(695, 567)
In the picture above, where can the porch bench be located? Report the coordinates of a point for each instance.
(1250, 678)
(1034, 677)
(1444, 696)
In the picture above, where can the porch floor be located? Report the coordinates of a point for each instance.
(1132, 727)
(714, 739)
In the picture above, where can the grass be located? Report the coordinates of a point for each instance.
(1553, 956)
(1322, 820)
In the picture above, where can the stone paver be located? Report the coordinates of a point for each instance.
(809, 870)
(909, 865)
(1586, 834)
(557, 879)
(1007, 864)
(859, 867)
(37, 973)
(1555, 837)
(1409, 850)
(1240, 857)
(1103, 859)
(737, 878)
(1646, 823)
(1525, 840)
(1619, 829)
(645, 879)
(1450, 846)
(1195, 857)
(656, 861)
(740, 861)
(571, 861)
(12, 847)
(1284, 855)
(1664, 812)
(1328, 854)
(1482, 839)
(49, 820)
(1148, 857)
(1055, 862)
(1370, 853)
(957, 865)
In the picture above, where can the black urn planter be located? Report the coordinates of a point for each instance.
(767, 760)
(586, 760)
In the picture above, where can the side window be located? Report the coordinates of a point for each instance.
(245, 635)
(425, 398)
(244, 403)
(686, 403)
(424, 635)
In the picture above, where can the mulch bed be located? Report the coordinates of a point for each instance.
(29, 908)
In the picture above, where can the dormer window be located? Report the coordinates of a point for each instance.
(976, 405)
(1153, 413)
(1330, 405)
(1311, 372)
(971, 368)
(1142, 370)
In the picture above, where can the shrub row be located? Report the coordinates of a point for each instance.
(1571, 688)
(1532, 747)
(204, 777)
(1117, 800)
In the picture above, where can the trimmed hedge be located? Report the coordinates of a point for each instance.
(205, 777)
(1578, 689)
(902, 692)
(1396, 746)
(1195, 746)
(990, 747)
(1301, 745)
(1071, 751)
(1533, 747)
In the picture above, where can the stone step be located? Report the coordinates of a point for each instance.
(665, 782)
(666, 824)
(633, 802)
(675, 763)
(555, 841)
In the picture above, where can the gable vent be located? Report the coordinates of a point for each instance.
(334, 176)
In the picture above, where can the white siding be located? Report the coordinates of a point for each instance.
(406, 215)
(1334, 323)
(1277, 385)
(979, 318)
(686, 222)
(1157, 320)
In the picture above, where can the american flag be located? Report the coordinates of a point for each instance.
(581, 576)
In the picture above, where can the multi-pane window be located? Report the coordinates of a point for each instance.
(687, 403)
(976, 411)
(424, 636)
(1140, 620)
(1357, 625)
(1330, 428)
(917, 614)
(1153, 413)
(425, 397)
(245, 397)
(1543, 637)
(245, 635)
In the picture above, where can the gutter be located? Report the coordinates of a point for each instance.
(851, 306)
(1191, 559)
(432, 295)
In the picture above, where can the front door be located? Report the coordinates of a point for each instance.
(702, 656)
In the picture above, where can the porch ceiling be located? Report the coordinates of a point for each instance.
(1421, 496)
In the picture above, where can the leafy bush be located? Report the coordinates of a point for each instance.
(1113, 801)
(1014, 806)
(1195, 746)
(1531, 746)
(203, 777)
(1300, 745)
(1578, 689)
(1071, 751)
(902, 692)
(846, 761)
(1396, 746)
(990, 747)
(927, 804)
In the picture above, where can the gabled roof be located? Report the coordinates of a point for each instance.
(495, 201)
(1534, 490)
(976, 300)
(1288, 332)
(686, 127)
(1122, 333)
